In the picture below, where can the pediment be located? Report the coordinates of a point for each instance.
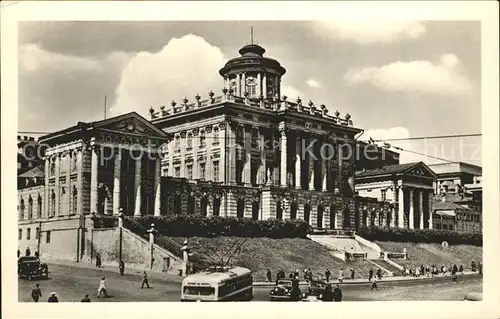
(421, 170)
(133, 124)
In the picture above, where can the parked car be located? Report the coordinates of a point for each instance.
(286, 290)
(31, 267)
(316, 288)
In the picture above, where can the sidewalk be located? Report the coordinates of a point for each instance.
(114, 269)
(359, 281)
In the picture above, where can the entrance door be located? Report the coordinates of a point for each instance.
(319, 220)
(333, 211)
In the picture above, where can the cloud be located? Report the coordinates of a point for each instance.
(313, 83)
(32, 58)
(394, 133)
(185, 67)
(291, 92)
(443, 78)
(369, 32)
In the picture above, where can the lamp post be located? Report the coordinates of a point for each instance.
(151, 232)
(120, 226)
(185, 255)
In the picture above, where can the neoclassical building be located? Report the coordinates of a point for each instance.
(251, 152)
(407, 187)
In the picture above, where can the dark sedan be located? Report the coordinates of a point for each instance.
(285, 290)
(31, 268)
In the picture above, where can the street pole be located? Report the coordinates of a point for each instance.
(120, 228)
(39, 238)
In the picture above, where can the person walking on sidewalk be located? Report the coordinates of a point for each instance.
(144, 280)
(36, 293)
(327, 275)
(370, 274)
(352, 273)
(374, 283)
(18, 253)
(268, 276)
(121, 266)
(379, 274)
(341, 275)
(102, 288)
(98, 260)
(337, 294)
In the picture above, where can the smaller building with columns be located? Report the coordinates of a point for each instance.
(408, 187)
(96, 167)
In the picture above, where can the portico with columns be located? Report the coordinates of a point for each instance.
(408, 188)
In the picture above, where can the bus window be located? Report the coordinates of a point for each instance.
(201, 291)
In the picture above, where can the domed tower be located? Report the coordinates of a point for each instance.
(253, 73)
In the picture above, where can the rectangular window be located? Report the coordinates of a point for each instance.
(202, 171)
(189, 144)
(37, 233)
(47, 237)
(165, 171)
(28, 233)
(383, 194)
(216, 171)
(177, 171)
(177, 145)
(189, 169)
(20, 234)
(215, 133)
(202, 139)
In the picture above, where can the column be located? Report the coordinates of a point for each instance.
(401, 207)
(231, 165)
(243, 84)
(298, 162)
(116, 180)
(262, 167)
(284, 153)
(411, 216)
(195, 143)
(79, 181)
(313, 219)
(340, 173)
(223, 152)
(264, 86)
(430, 210)
(247, 168)
(94, 166)
(258, 90)
(238, 85)
(183, 154)
(326, 217)
(421, 208)
(58, 185)
(323, 174)
(394, 201)
(69, 192)
(137, 186)
(208, 165)
(46, 188)
(310, 169)
(158, 186)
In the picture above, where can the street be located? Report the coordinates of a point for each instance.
(72, 283)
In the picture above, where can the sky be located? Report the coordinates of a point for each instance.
(397, 79)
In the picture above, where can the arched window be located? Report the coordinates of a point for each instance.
(216, 207)
(191, 204)
(319, 219)
(170, 206)
(74, 201)
(307, 212)
(255, 210)
(279, 210)
(21, 209)
(39, 206)
(293, 210)
(239, 135)
(347, 217)
(204, 205)
(74, 161)
(240, 208)
(30, 207)
(251, 87)
(177, 205)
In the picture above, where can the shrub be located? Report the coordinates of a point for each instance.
(420, 235)
(201, 226)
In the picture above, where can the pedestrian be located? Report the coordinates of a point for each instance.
(480, 268)
(144, 280)
(37, 255)
(352, 273)
(379, 273)
(85, 299)
(461, 269)
(341, 275)
(473, 266)
(327, 275)
(98, 260)
(121, 266)
(337, 294)
(18, 253)
(374, 283)
(36, 293)
(53, 297)
(268, 276)
(28, 252)
(370, 274)
(102, 288)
